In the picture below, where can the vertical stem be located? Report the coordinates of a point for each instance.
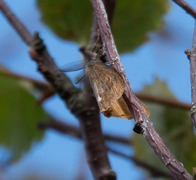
(91, 126)
(193, 78)
(143, 124)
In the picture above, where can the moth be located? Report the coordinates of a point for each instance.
(108, 87)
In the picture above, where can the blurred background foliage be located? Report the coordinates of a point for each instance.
(19, 113)
(133, 20)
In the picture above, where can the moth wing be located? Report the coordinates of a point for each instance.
(106, 82)
(119, 109)
(74, 66)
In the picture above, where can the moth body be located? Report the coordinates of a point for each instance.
(108, 87)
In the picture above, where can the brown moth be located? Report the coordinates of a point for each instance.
(108, 87)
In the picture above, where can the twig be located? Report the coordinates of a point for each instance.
(43, 87)
(154, 171)
(186, 7)
(72, 96)
(73, 130)
(8, 73)
(192, 57)
(17, 25)
(191, 54)
(164, 101)
(142, 123)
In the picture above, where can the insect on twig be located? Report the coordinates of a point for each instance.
(107, 84)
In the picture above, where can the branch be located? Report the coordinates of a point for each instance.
(110, 6)
(17, 25)
(142, 123)
(191, 54)
(44, 88)
(164, 101)
(154, 171)
(74, 98)
(186, 7)
(8, 73)
(192, 57)
(90, 125)
(149, 98)
(72, 130)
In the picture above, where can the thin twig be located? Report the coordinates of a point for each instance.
(8, 73)
(73, 130)
(17, 25)
(192, 56)
(154, 171)
(164, 101)
(142, 123)
(72, 96)
(44, 88)
(186, 7)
